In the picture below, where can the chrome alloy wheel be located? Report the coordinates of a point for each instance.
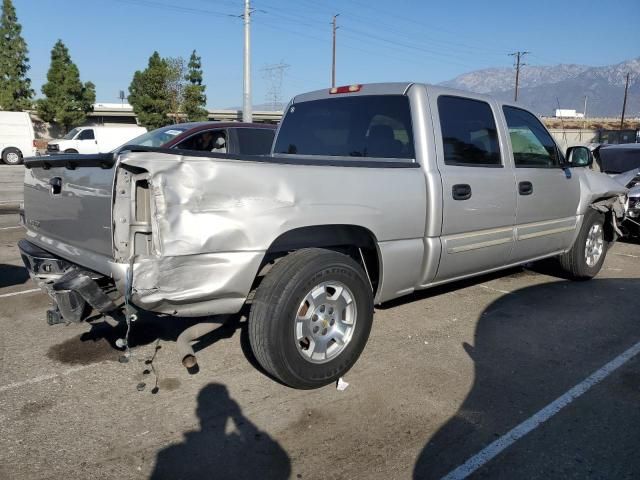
(325, 322)
(594, 245)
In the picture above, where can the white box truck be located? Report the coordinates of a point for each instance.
(17, 138)
(94, 139)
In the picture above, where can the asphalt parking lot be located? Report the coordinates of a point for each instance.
(447, 374)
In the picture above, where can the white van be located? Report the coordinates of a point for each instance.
(17, 139)
(94, 139)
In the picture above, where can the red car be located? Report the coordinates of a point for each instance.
(218, 137)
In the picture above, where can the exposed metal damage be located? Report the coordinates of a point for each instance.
(602, 193)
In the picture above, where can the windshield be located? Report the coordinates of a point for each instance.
(71, 134)
(362, 126)
(158, 137)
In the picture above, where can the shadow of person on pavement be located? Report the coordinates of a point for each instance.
(227, 446)
(530, 347)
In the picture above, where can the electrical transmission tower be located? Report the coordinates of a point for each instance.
(518, 65)
(274, 75)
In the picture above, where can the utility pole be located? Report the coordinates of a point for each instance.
(624, 102)
(247, 114)
(518, 56)
(584, 116)
(333, 58)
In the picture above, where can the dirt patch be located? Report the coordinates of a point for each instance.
(76, 351)
(34, 408)
(169, 384)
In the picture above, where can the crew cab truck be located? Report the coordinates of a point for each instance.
(371, 192)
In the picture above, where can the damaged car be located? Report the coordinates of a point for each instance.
(622, 163)
(216, 137)
(370, 192)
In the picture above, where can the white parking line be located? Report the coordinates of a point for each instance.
(10, 228)
(626, 255)
(494, 289)
(42, 378)
(508, 439)
(20, 293)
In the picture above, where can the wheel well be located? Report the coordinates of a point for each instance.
(610, 233)
(11, 148)
(357, 242)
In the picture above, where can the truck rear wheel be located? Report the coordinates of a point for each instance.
(311, 317)
(587, 255)
(12, 156)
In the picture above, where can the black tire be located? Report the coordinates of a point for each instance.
(70, 150)
(574, 262)
(9, 156)
(277, 301)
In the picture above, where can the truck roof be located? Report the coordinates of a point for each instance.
(398, 88)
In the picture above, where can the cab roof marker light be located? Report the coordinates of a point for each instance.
(346, 89)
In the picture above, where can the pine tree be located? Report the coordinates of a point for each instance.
(149, 93)
(194, 97)
(15, 87)
(67, 100)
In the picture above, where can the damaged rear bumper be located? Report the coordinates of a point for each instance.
(70, 287)
(188, 285)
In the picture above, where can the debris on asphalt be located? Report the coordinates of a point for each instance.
(341, 385)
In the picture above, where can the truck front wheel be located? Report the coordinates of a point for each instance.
(587, 255)
(311, 317)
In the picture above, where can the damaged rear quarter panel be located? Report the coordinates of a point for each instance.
(214, 219)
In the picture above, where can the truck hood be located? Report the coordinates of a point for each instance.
(596, 185)
(626, 177)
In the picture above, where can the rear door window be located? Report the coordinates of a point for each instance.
(469, 133)
(254, 141)
(372, 126)
(531, 143)
(205, 141)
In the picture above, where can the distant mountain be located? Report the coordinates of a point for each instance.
(539, 87)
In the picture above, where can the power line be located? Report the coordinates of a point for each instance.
(175, 8)
(302, 17)
(518, 65)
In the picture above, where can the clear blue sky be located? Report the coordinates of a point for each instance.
(377, 40)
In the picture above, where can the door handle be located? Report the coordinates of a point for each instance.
(56, 185)
(461, 191)
(525, 188)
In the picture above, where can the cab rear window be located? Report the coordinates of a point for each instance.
(373, 126)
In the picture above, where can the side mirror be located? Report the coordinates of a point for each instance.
(579, 156)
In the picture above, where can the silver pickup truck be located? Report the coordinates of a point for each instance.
(371, 192)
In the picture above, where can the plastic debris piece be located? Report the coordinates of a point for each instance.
(341, 385)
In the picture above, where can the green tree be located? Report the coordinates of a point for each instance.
(15, 87)
(67, 100)
(149, 93)
(194, 98)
